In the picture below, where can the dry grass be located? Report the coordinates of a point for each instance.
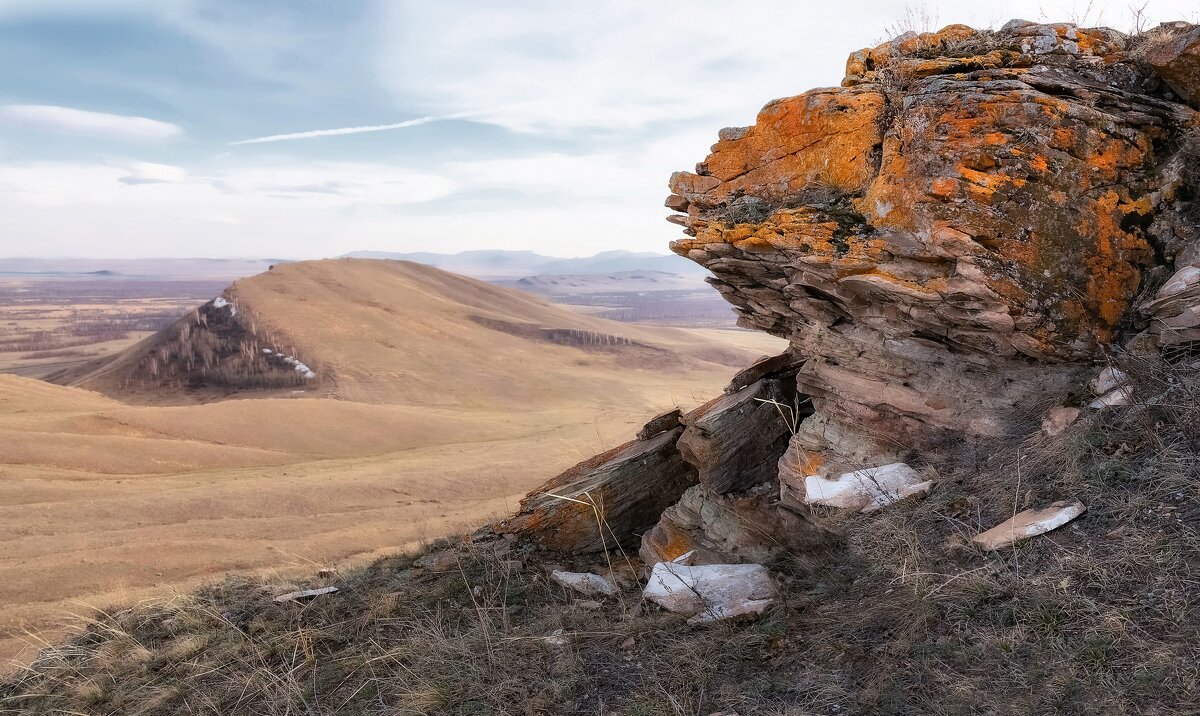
(1099, 617)
(397, 640)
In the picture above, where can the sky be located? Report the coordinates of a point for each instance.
(310, 128)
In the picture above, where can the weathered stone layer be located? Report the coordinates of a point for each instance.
(955, 232)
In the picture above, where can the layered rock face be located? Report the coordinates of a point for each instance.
(700, 476)
(951, 241)
(957, 231)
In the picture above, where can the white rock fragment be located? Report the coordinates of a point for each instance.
(1120, 396)
(921, 488)
(304, 594)
(873, 487)
(1059, 419)
(687, 558)
(584, 582)
(1029, 523)
(1112, 385)
(712, 591)
(1109, 380)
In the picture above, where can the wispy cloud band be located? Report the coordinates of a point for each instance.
(68, 120)
(312, 134)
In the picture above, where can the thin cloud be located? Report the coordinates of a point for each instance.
(68, 120)
(150, 173)
(355, 130)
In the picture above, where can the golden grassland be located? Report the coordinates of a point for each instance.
(425, 422)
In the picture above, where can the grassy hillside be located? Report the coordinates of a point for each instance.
(392, 332)
(906, 618)
(152, 488)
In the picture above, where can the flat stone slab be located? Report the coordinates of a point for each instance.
(304, 594)
(711, 592)
(1059, 419)
(1029, 523)
(867, 489)
(584, 582)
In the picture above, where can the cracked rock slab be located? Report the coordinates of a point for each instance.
(867, 489)
(584, 582)
(711, 592)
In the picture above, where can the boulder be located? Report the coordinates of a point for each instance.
(710, 528)
(1175, 55)
(1029, 523)
(605, 501)
(711, 592)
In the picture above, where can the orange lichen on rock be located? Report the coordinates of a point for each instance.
(982, 194)
(823, 136)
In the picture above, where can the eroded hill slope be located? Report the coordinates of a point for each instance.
(390, 332)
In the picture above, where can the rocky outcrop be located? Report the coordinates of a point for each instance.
(1175, 54)
(963, 229)
(749, 526)
(956, 231)
(605, 501)
(702, 482)
(735, 441)
(218, 346)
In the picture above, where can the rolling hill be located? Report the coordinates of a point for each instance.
(390, 332)
(435, 402)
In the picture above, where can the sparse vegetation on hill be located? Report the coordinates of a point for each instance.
(905, 618)
(436, 422)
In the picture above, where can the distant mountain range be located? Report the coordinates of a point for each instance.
(493, 265)
(499, 264)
